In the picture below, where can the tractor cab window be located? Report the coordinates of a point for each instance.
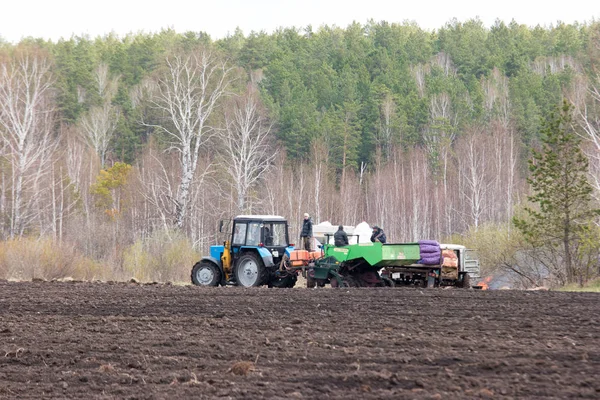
(239, 234)
(253, 234)
(274, 234)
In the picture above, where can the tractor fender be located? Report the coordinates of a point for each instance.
(216, 262)
(266, 256)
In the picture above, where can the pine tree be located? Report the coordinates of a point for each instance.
(561, 190)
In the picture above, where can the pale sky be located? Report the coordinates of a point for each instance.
(52, 19)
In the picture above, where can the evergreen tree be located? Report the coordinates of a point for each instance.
(560, 187)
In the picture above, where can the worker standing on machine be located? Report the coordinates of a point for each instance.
(307, 232)
(340, 238)
(378, 235)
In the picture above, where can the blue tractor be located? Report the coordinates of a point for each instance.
(252, 257)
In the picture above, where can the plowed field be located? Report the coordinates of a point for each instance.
(101, 340)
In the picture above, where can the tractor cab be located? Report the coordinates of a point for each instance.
(268, 232)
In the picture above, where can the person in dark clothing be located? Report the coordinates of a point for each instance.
(340, 238)
(307, 232)
(378, 235)
(268, 237)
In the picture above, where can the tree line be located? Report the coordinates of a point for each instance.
(117, 147)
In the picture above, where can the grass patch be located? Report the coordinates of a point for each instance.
(45, 259)
(160, 258)
(591, 286)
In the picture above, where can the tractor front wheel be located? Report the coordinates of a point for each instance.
(206, 273)
(249, 271)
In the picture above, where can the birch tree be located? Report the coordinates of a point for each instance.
(419, 180)
(158, 187)
(497, 97)
(586, 101)
(99, 125)
(473, 165)
(249, 147)
(188, 92)
(98, 128)
(441, 132)
(388, 124)
(420, 72)
(321, 166)
(26, 122)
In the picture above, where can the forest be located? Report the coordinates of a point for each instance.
(119, 155)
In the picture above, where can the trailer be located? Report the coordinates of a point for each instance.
(395, 264)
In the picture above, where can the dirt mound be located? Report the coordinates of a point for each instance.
(102, 340)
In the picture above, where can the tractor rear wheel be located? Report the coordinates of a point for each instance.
(249, 271)
(206, 273)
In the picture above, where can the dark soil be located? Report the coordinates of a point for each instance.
(101, 340)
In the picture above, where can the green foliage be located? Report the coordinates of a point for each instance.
(497, 246)
(588, 253)
(305, 76)
(466, 45)
(109, 189)
(342, 132)
(75, 62)
(256, 51)
(562, 192)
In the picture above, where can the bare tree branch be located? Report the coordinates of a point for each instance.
(188, 92)
(26, 122)
(248, 144)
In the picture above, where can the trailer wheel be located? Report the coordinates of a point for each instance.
(311, 282)
(387, 282)
(466, 283)
(249, 271)
(349, 281)
(335, 284)
(206, 273)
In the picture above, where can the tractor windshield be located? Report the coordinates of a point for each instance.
(253, 238)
